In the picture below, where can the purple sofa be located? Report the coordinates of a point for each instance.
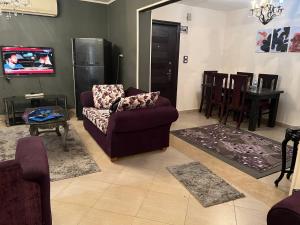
(286, 212)
(25, 185)
(135, 131)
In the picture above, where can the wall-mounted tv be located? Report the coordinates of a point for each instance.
(27, 61)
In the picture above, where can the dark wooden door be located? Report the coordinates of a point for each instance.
(164, 59)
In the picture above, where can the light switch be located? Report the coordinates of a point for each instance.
(185, 59)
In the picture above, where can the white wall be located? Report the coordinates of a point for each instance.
(203, 44)
(239, 55)
(225, 41)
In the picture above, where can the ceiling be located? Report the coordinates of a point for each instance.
(224, 5)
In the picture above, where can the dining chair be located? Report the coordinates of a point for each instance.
(266, 81)
(250, 76)
(207, 79)
(218, 97)
(236, 94)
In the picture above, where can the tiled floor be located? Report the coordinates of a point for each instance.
(138, 190)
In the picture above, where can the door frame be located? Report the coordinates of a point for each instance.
(177, 52)
(146, 8)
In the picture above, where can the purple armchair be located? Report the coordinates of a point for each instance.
(286, 212)
(25, 185)
(135, 131)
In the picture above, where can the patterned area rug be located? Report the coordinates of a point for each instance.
(204, 185)
(76, 162)
(253, 154)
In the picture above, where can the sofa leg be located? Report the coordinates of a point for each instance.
(114, 159)
(164, 149)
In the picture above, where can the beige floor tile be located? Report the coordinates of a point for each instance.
(164, 208)
(141, 186)
(139, 221)
(166, 183)
(121, 199)
(176, 190)
(99, 217)
(138, 180)
(58, 186)
(67, 214)
(284, 184)
(222, 214)
(251, 203)
(82, 192)
(246, 216)
(106, 176)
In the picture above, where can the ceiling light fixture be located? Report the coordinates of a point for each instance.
(11, 7)
(266, 10)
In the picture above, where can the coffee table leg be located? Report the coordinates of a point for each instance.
(33, 131)
(66, 129)
(57, 131)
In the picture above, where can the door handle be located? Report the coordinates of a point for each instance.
(169, 74)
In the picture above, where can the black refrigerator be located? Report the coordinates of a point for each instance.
(92, 64)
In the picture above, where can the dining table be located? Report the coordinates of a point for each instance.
(254, 96)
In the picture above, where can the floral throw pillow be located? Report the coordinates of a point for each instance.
(138, 101)
(105, 95)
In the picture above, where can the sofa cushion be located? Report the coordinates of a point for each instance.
(139, 101)
(98, 117)
(105, 95)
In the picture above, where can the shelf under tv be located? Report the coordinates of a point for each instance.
(15, 106)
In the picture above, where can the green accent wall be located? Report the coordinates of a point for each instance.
(145, 24)
(75, 19)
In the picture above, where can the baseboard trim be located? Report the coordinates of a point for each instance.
(189, 110)
(264, 120)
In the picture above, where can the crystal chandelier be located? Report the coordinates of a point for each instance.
(266, 10)
(11, 7)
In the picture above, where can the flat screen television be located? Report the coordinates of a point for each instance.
(27, 60)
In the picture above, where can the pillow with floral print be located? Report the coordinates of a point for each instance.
(105, 95)
(139, 101)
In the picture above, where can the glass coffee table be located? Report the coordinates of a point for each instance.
(53, 125)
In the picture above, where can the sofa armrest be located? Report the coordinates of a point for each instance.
(141, 119)
(86, 99)
(32, 156)
(286, 211)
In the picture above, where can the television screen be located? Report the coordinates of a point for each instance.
(25, 61)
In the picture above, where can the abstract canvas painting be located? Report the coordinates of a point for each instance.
(281, 38)
(263, 40)
(294, 40)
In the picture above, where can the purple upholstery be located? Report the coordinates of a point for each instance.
(86, 99)
(162, 101)
(286, 212)
(135, 131)
(25, 185)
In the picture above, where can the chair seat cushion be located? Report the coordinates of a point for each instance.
(105, 95)
(139, 101)
(98, 117)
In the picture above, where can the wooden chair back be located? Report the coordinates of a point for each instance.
(208, 77)
(220, 84)
(268, 81)
(238, 86)
(250, 76)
